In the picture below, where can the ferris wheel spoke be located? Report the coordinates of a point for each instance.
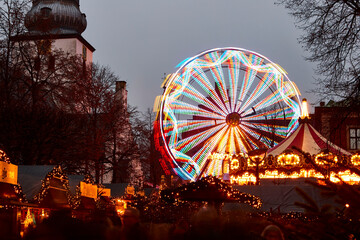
(218, 75)
(185, 144)
(244, 143)
(268, 128)
(264, 134)
(184, 126)
(264, 84)
(251, 64)
(250, 136)
(195, 95)
(234, 74)
(232, 143)
(183, 108)
(268, 102)
(223, 142)
(203, 81)
(201, 155)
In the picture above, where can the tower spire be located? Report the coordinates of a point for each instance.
(55, 17)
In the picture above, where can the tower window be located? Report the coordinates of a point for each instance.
(84, 52)
(354, 138)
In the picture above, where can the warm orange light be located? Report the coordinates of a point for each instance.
(253, 160)
(234, 164)
(355, 160)
(247, 178)
(288, 159)
(347, 205)
(120, 206)
(304, 109)
(325, 158)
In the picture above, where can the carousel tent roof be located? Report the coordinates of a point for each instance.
(30, 177)
(308, 140)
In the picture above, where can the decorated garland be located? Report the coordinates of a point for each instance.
(45, 185)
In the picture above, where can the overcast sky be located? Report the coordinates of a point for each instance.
(140, 40)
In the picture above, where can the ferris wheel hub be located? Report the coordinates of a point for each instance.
(233, 119)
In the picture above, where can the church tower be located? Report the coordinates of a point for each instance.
(61, 22)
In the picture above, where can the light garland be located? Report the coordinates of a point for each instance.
(76, 199)
(355, 159)
(45, 185)
(4, 157)
(288, 159)
(325, 159)
(210, 184)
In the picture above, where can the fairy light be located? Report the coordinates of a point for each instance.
(45, 185)
(256, 160)
(325, 159)
(355, 159)
(216, 184)
(235, 164)
(288, 159)
(120, 206)
(4, 157)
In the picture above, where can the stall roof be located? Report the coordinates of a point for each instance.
(30, 178)
(117, 189)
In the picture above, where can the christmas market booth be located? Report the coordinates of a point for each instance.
(123, 196)
(46, 187)
(85, 194)
(12, 200)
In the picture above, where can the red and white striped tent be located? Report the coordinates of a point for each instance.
(308, 140)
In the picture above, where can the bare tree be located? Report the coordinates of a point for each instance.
(33, 130)
(143, 128)
(331, 36)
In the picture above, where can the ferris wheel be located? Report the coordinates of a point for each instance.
(224, 101)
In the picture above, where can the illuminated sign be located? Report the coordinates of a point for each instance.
(8, 173)
(88, 190)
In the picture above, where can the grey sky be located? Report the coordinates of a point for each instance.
(143, 39)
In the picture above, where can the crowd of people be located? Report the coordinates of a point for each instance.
(206, 223)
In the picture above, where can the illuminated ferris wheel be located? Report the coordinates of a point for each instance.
(224, 101)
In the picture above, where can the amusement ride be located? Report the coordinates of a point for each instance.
(225, 101)
(234, 114)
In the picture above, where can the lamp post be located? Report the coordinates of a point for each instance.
(257, 157)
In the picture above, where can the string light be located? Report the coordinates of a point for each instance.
(211, 185)
(45, 185)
